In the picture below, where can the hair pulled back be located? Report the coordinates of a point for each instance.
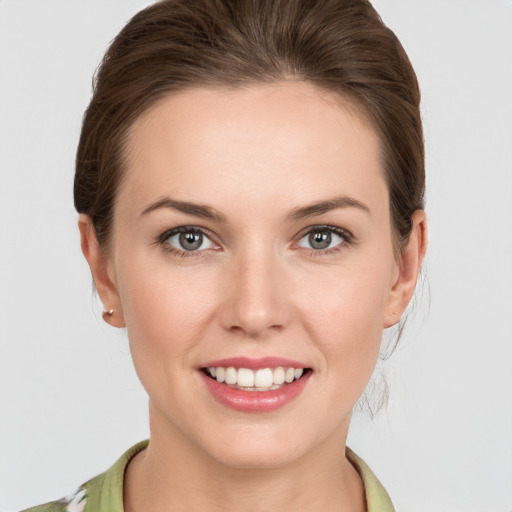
(338, 45)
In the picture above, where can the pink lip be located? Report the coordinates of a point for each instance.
(256, 364)
(255, 401)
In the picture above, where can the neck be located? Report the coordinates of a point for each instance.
(171, 474)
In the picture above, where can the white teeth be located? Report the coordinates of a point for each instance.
(231, 375)
(245, 378)
(219, 374)
(264, 378)
(255, 380)
(279, 376)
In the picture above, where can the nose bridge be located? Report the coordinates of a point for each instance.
(257, 298)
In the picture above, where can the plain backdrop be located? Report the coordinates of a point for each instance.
(70, 403)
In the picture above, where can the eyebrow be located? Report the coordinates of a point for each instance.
(326, 206)
(197, 210)
(207, 212)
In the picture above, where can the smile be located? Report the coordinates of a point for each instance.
(268, 385)
(264, 379)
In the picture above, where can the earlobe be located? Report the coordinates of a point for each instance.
(409, 266)
(99, 265)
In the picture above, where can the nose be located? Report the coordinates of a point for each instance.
(256, 301)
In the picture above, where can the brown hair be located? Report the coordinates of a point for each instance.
(339, 45)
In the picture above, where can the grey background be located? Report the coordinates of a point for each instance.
(70, 402)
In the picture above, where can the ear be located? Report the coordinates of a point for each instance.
(409, 265)
(102, 272)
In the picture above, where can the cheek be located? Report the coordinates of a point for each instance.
(347, 301)
(165, 310)
(344, 315)
(156, 293)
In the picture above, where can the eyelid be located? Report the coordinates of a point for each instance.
(183, 229)
(161, 240)
(325, 227)
(348, 239)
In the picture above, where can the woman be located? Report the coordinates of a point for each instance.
(250, 181)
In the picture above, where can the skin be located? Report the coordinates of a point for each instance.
(259, 288)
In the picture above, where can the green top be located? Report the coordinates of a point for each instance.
(104, 493)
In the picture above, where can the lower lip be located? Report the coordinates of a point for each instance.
(255, 401)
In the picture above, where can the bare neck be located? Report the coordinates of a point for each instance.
(171, 475)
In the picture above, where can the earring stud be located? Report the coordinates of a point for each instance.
(108, 312)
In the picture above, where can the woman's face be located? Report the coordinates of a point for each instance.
(252, 230)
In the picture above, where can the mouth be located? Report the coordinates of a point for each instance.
(255, 385)
(257, 380)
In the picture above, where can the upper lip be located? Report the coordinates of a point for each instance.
(255, 363)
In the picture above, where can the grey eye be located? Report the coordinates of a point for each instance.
(189, 240)
(321, 239)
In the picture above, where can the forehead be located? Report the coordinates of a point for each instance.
(287, 139)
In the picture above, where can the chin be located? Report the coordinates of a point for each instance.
(267, 456)
(259, 446)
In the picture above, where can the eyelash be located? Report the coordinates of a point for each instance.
(347, 239)
(162, 240)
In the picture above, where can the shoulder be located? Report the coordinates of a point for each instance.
(74, 503)
(103, 493)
